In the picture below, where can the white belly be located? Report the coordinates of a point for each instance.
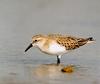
(56, 49)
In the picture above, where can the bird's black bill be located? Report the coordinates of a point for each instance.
(28, 47)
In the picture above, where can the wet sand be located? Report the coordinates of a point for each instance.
(19, 20)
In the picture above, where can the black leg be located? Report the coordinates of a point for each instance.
(58, 60)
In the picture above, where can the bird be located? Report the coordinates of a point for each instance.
(57, 44)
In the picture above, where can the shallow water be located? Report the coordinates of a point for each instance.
(21, 19)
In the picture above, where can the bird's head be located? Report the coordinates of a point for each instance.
(37, 40)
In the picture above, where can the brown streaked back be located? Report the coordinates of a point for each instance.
(69, 42)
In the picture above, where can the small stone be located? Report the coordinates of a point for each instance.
(68, 69)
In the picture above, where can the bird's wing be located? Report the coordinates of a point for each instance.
(69, 42)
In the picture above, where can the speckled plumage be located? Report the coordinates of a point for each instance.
(69, 42)
(57, 44)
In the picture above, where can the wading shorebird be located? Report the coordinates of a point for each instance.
(56, 44)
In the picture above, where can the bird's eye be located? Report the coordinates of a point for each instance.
(35, 40)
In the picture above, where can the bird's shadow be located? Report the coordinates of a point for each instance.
(43, 70)
(53, 70)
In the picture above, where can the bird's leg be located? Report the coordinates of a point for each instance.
(58, 59)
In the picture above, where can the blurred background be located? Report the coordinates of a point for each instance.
(21, 19)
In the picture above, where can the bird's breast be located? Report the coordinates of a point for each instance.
(55, 48)
(52, 48)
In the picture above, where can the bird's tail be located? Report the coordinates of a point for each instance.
(90, 40)
(82, 41)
